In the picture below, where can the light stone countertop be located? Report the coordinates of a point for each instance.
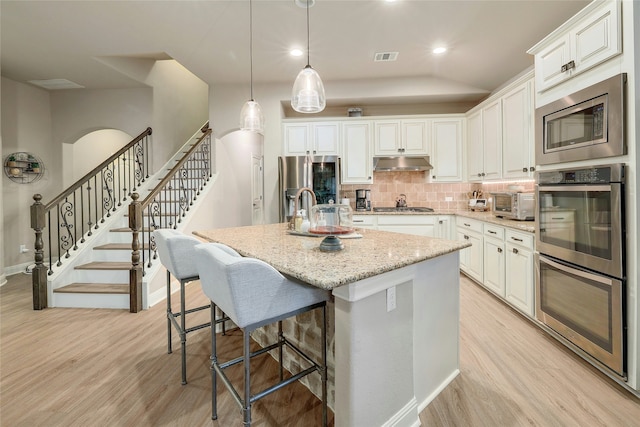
(526, 226)
(375, 253)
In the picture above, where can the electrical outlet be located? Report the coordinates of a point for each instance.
(391, 298)
(23, 249)
(448, 199)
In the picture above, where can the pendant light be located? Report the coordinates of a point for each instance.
(308, 91)
(251, 117)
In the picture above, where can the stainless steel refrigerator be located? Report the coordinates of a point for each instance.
(319, 173)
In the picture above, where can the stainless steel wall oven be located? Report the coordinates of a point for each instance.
(580, 274)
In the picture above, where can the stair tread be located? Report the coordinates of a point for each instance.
(116, 246)
(94, 288)
(105, 265)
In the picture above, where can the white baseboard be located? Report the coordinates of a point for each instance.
(19, 268)
(438, 390)
(407, 416)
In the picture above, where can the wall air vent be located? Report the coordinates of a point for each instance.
(385, 56)
(56, 84)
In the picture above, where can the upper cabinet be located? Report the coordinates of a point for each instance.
(401, 137)
(357, 156)
(589, 38)
(311, 138)
(446, 154)
(518, 159)
(484, 142)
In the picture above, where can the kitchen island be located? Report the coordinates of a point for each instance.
(394, 333)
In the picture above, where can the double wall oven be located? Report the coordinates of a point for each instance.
(580, 274)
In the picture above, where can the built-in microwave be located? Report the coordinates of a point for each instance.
(587, 124)
(518, 206)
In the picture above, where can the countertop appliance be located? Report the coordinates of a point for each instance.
(581, 268)
(320, 173)
(588, 124)
(363, 200)
(514, 205)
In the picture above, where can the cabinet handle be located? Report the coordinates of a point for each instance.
(492, 232)
(466, 237)
(515, 251)
(556, 217)
(468, 225)
(433, 176)
(532, 169)
(479, 174)
(358, 220)
(440, 222)
(524, 169)
(516, 239)
(314, 151)
(499, 250)
(483, 174)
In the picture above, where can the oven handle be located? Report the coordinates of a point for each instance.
(606, 187)
(575, 270)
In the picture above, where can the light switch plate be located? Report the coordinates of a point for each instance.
(391, 298)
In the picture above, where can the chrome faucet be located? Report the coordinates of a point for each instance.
(401, 201)
(292, 223)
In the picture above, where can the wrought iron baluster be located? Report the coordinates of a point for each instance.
(95, 200)
(50, 272)
(66, 240)
(90, 224)
(109, 201)
(59, 263)
(82, 240)
(75, 222)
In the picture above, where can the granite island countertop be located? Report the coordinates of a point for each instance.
(375, 253)
(527, 226)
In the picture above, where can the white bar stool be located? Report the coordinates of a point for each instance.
(254, 294)
(176, 252)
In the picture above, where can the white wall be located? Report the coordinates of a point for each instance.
(26, 126)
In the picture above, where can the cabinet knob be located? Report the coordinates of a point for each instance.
(440, 222)
(483, 174)
(532, 169)
(524, 169)
(433, 176)
(466, 237)
(515, 251)
(479, 174)
(499, 250)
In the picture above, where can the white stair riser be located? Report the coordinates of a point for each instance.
(71, 300)
(101, 276)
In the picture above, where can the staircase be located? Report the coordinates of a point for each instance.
(95, 269)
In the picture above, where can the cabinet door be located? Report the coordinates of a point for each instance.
(447, 150)
(492, 140)
(474, 147)
(415, 137)
(494, 265)
(387, 138)
(416, 230)
(357, 161)
(296, 139)
(517, 132)
(519, 278)
(326, 138)
(443, 228)
(461, 235)
(473, 254)
(597, 39)
(549, 63)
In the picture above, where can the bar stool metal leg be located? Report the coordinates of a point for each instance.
(214, 360)
(246, 410)
(183, 332)
(323, 369)
(169, 314)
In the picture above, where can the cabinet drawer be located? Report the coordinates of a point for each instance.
(494, 231)
(521, 239)
(364, 220)
(557, 217)
(407, 219)
(469, 224)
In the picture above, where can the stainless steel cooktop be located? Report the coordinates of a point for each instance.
(402, 209)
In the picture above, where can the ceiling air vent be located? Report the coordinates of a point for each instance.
(56, 84)
(385, 56)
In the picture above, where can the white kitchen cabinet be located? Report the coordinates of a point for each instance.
(365, 221)
(518, 159)
(484, 142)
(444, 227)
(357, 158)
(519, 289)
(446, 154)
(471, 258)
(494, 259)
(311, 138)
(401, 137)
(419, 225)
(589, 38)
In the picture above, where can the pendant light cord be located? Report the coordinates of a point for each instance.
(251, 45)
(308, 37)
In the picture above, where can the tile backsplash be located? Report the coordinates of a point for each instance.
(388, 186)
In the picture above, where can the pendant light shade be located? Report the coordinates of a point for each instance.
(251, 117)
(307, 95)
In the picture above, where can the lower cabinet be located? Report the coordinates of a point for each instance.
(500, 259)
(519, 271)
(419, 225)
(365, 221)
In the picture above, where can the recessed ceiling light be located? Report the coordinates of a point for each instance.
(439, 50)
(303, 3)
(296, 52)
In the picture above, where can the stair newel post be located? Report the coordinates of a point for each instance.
(39, 273)
(135, 274)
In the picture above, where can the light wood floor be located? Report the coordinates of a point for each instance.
(75, 367)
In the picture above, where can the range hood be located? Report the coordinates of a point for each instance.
(402, 163)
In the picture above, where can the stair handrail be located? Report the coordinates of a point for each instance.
(195, 169)
(113, 173)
